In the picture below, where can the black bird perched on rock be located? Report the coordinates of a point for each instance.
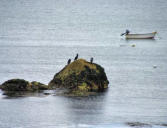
(69, 61)
(91, 60)
(76, 57)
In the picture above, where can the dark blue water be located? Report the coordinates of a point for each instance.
(38, 37)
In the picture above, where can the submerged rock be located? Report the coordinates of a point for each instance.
(22, 85)
(138, 124)
(80, 77)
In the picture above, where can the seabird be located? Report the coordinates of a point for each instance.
(69, 61)
(91, 60)
(76, 57)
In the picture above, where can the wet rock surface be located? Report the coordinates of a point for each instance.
(22, 85)
(80, 77)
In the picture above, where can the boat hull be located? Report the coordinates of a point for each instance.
(141, 36)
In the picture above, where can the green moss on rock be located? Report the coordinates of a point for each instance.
(15, 85)
(80, 76)
(35, 86)
(22, 85)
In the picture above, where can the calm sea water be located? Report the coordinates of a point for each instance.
(38, 37)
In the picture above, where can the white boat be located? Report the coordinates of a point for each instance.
(141, 36)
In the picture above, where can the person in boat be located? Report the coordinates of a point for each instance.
(76, 57)
(69, 61)
(127, 32)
